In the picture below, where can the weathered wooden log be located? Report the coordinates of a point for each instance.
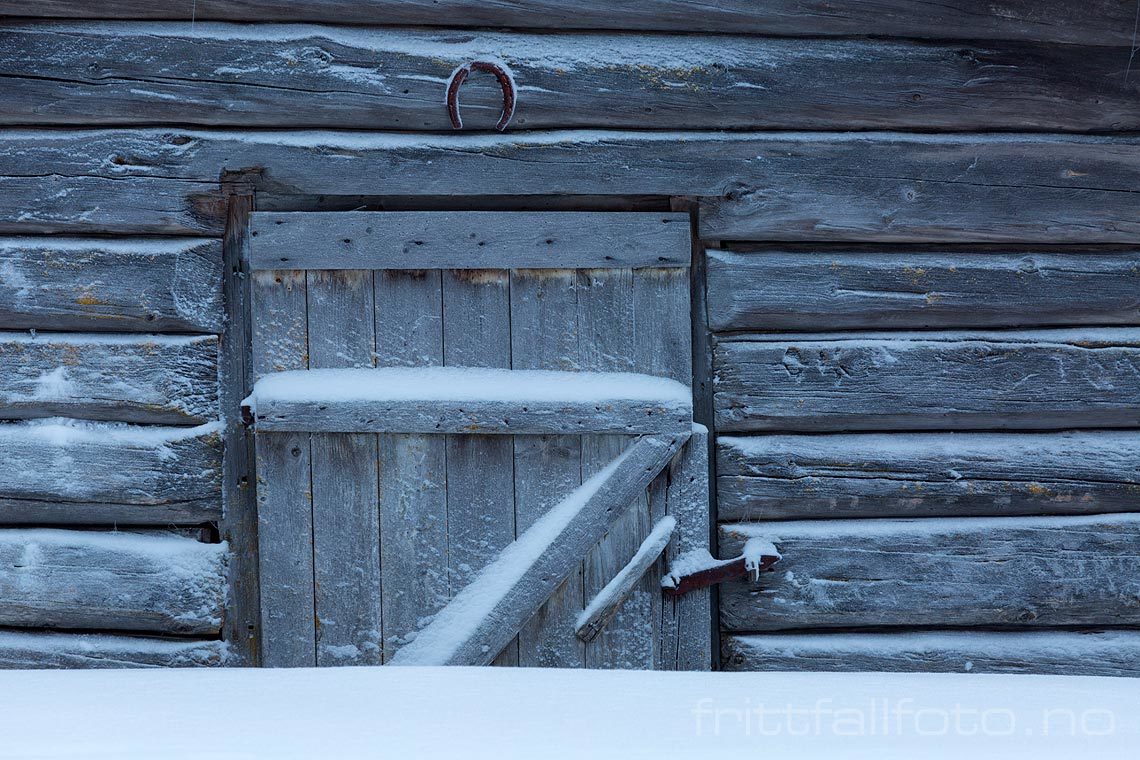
(1070, 653)
(483, 618)
(111, 285)
(128, 378)
(469, 240)
(773, 477)
(59, 472)
(1043, 380)
(468, 400)
(111, 581)
(1002, 572)
(286, 76)
(771, 186)
(789, 289)
(25, 650)
(1094, 22)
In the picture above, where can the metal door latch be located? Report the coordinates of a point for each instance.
(698, 570)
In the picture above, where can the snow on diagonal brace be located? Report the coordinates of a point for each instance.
(486, 615)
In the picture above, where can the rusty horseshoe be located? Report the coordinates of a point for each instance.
(506, 83)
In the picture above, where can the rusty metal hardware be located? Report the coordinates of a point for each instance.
(718, 571)
(506, 84)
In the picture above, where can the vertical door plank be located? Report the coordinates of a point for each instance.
(284, 486)
(480, 468)
(413, 491)
(346, 521)
(606, 321)
(688, 620)
(663, 347)
(544, 335)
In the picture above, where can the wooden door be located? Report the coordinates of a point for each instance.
(365, 536)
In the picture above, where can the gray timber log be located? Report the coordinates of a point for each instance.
(111, 285)
(469, 240)
(1007, 571)
(927, 474)
(63, 474)
(516, 583)
(289, 76)
(346, 512)
(111, 581)
(284, 481)
(1069, 653)
(130, 378)
(480, 468)
(785, 289)
(475, 417)
(544, 335)
(1045, 379)
(1093, 22)
(688, 620)
(412, 468)
(866, 187)
(22, 651)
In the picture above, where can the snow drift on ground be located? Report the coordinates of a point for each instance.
(501, 713)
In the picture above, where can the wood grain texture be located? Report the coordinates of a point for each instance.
(111, 581)
(607, 340)
(238, 526)
(603, 607)
(480, 468)
(134, 378)
(1043, 380)
(772, 477)
(1002, 572)
(284, 480)
(789, 289)
(764, 186)
(544, 335)
(331, 77)
(21, 650)
(412, 468)
(469, 417)
(346, 513)
(687, 621)
(1086, 653)
(1098, 22)
(468, 240)
(59, 473)
(111, 285)
(483, 618)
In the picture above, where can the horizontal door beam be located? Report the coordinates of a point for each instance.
(467, 400)
(468, 240)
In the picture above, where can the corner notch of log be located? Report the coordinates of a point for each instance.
(699, 570)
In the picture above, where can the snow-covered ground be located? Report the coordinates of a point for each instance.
(501, 713)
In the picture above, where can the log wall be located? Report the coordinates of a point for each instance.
(918, 224)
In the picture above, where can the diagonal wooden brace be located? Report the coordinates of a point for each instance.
(482, 618)
(609, 600)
